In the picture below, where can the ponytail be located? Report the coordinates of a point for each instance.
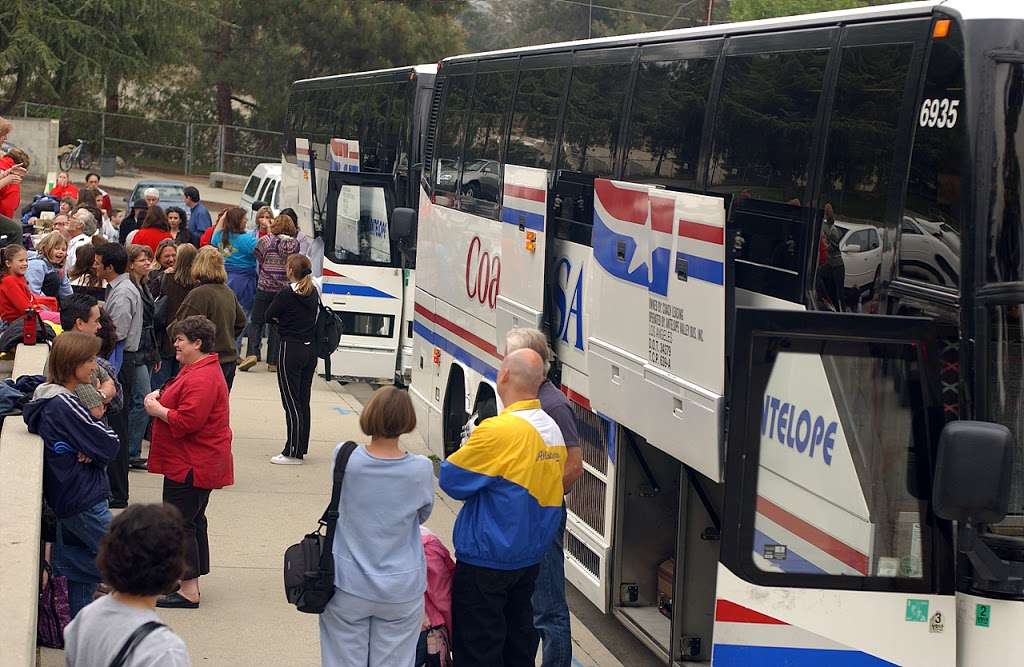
(300, 269)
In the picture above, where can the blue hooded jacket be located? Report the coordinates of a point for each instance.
(68, 429)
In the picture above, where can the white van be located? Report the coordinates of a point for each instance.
(263, 185)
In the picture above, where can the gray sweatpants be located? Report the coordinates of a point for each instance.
(358, 633)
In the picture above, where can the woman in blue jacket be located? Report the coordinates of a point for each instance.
(76, 450)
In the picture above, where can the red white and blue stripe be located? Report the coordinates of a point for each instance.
(344, 155)
(745, 637)
(524, 197)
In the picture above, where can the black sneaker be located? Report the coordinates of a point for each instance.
(138, 463)
(117, 504)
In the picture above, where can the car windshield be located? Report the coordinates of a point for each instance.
(843, 231)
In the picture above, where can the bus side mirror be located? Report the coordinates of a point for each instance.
(972, 472)
(403, 223)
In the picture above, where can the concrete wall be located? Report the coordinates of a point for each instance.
(38, 138)
(21, 497)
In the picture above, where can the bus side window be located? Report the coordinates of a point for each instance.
(485, 139)
(535, 117)
(590, 138)
(667, 121)
(857, 183)
(763, 138)
(450, 136)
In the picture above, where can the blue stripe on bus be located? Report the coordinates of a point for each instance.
(734, 655)
(437, 340)
(515, 216)
(702, 268)
(355, 290)
(793, 562)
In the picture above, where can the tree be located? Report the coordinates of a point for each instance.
(61, 50)
(748, 10)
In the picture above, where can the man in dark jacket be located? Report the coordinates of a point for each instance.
(132, 220)
(76, 450)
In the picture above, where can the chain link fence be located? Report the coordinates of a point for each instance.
(158, 143)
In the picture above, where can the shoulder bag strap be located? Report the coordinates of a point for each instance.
(134, 640)
(330, 516)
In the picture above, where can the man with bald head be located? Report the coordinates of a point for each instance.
(509, 476)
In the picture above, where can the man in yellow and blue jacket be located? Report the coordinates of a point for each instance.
(509, 474)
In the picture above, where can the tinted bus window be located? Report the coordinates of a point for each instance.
(450, 135)
(485, 138)
(765, 125)
(857, 173)
(535, 117)
(667, 121)
(1007, 220)
(592, 116)
(929, 249)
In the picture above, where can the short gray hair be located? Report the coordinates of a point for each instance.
(151, 192)
(88, 221)
(523, 337)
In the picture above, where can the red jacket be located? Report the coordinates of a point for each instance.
(10, 194)
(68, 190)
(150, 236)
(197, 433)
(207, 235)
(15, 297)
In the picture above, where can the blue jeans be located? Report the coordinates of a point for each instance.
(138, 420)
(550, 610)
(78, 542)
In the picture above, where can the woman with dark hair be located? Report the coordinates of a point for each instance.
(294, 311)
(238, 248)
(177, 220)
(83, 273)
(76, 450)
(154, 229)
(191, 444)
(175, 284)
(141, 558)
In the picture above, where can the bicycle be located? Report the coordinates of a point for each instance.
(75, 156)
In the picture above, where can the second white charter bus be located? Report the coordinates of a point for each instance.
(365, 131)
(781, 264)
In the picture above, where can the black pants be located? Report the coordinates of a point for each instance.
(228, 369)
(256, 324)
(493, 617)
(117, 469)
(191, 502)
(296, 366)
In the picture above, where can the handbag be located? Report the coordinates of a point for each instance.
(134, 639)
(54, 610)
(309, 565)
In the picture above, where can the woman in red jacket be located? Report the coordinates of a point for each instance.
(191, 444)
(15, 297)
(154, 229)
(64, 187)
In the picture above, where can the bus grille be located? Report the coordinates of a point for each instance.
(593, 437)
(587, 500)
(583, 555)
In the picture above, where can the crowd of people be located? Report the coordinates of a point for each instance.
(152, 307)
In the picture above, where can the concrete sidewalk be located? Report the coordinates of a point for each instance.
(244, 618)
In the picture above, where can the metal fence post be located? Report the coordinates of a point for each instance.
(103, 133)
(220, 148)
(188, 148)
(25, 109)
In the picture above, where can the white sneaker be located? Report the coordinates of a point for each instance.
(282, 460)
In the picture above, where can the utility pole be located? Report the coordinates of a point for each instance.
(711, 6)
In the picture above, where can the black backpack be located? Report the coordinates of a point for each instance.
(326, 335)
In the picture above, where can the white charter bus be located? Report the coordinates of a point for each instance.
(365, 131)
(780, 263)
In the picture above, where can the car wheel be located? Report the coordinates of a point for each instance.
(471, 191)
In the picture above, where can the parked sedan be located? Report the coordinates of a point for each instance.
(172, 193)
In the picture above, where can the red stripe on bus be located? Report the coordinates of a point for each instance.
(730, 612)
(663, 210)
(468, 336)
(701, 232)
(576, 397)
(820, 539)
(335, 274)
(523, 192)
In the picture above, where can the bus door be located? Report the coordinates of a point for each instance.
(831, 553)
(523, 248)
(363, 278)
